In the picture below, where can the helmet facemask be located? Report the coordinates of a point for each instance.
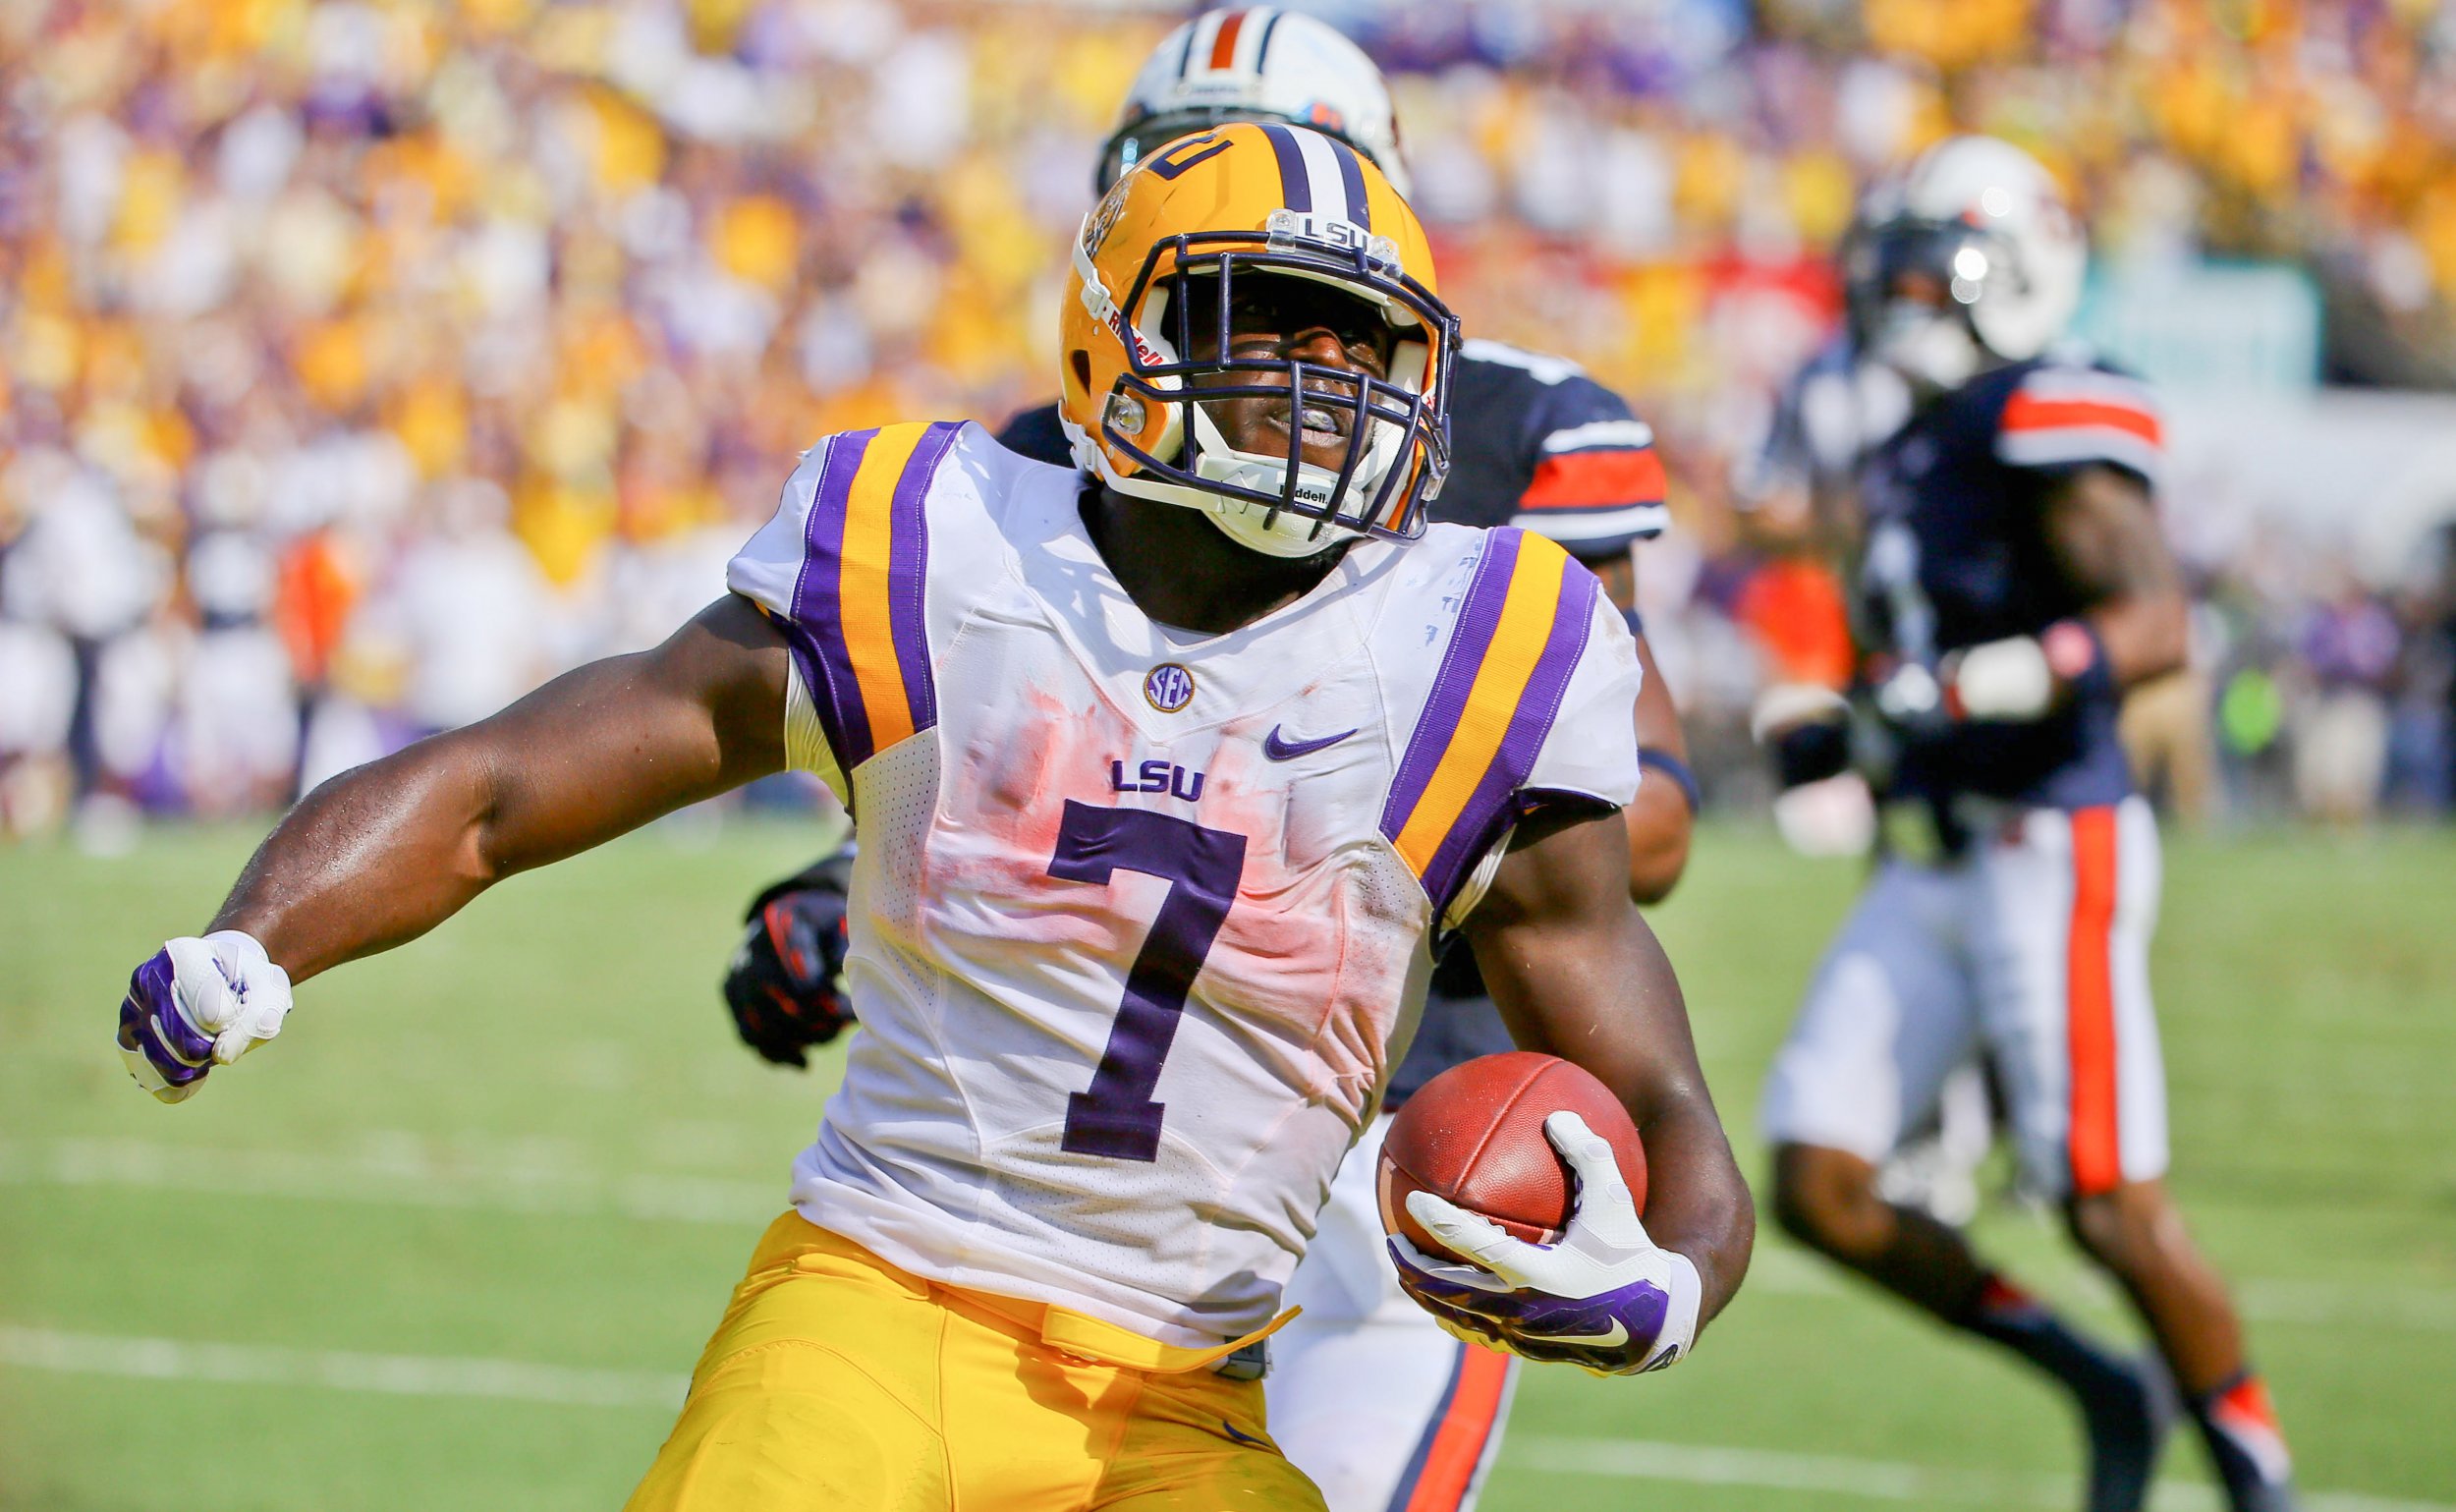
(1936, 342)
(1395, 452)
(1982, 227)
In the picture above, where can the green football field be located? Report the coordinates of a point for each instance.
(454, 1240)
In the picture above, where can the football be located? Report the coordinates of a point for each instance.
(1475, 1134)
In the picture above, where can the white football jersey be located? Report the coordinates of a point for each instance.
(1141, 918)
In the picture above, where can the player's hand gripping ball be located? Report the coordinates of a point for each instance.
(1509, 1188)
(196, 1004)
(785, 985)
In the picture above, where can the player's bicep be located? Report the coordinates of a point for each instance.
(2103, 529)
(1574, 969)
(612, 745)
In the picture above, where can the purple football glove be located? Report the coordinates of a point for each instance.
(1604, 1297)
(785, 984)
(196, 1004)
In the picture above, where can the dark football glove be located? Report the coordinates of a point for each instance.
(1806, 728)
(785, 985)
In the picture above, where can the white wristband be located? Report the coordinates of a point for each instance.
(1785, 707)
(2004, 680)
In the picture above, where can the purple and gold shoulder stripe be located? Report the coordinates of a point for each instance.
(1521, 630)
(857, 629)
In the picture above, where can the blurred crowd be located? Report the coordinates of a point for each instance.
(368, 361)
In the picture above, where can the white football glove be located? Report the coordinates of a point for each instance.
(1604, 1297)
(198, 1003)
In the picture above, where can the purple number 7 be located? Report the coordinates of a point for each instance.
(1115, 1116)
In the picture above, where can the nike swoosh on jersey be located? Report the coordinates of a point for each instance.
(1279, 749)
(1247, 1438)
(1618, 1334)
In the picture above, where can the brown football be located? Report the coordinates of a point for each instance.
(1475, 1134)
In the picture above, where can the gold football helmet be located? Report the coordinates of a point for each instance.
(1244, 201)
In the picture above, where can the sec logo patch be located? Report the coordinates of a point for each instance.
(1168, 687)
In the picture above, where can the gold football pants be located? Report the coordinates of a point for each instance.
(838, 1382)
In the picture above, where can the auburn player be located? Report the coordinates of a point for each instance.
(1171, 779)
(1366, 1392)
(2011, 582)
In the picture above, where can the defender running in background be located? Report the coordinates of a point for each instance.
(2011, 582)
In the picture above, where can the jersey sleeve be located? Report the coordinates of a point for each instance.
(2064, 416)
(1594, 480)
(840, 569)
(1535, 704)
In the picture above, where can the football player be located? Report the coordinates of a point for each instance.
(1364, 1386)
(2010, 583)
(1172, 773)
(1797, 498)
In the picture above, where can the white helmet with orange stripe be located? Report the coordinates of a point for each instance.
(1967, 257)
(1256, 64)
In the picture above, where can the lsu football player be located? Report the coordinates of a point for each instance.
(2010, 583)
(1366, 1392)
(1171, 772)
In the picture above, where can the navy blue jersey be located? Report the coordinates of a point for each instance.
(1538, 444)
(1825, 421)
(1036, 434)
(1957, 554)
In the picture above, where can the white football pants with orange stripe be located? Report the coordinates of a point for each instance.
(1368, 1396)
(2032, 945)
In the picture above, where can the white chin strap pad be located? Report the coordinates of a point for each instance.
(1291, 534)
(1929, 347)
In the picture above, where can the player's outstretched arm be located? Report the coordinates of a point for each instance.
(1578, 974)
(386, 852)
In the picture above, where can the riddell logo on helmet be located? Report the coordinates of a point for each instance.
(1129, 337)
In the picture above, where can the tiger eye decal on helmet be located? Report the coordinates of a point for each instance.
(1246, 202)
(1103, 218)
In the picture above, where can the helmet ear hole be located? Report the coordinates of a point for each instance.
(1081, 364)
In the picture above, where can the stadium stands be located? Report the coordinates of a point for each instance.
(367, 361)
